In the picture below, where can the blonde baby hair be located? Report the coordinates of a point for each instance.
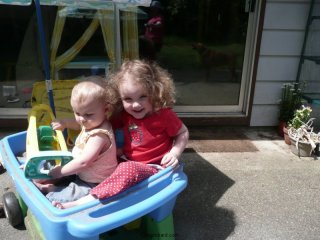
(94, 88)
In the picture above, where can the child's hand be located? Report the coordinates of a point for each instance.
(55, 172)
(44, 186)
(58, 125)
(169, 160)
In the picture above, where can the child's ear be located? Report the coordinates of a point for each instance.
(108, 108)
(107, 111)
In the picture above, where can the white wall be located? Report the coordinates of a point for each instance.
(281, 44)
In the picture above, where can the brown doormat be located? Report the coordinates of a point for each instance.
(218, 140)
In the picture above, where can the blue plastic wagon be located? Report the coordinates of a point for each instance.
(143, 211)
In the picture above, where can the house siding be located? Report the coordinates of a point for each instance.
(281, 43)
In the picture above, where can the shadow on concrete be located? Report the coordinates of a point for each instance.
(196, 215)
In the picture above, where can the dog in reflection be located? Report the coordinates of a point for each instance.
(211, 58)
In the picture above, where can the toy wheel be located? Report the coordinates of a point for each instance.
(12, 208)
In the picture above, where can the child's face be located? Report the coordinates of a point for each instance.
(90, 114)
(135, 99)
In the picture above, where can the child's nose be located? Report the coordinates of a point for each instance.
(136, 105)
(82, 119)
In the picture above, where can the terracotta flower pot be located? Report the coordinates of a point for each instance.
(280, 128)
(286, 136)
(283, 132)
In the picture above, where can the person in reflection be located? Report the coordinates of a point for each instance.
(151, 42)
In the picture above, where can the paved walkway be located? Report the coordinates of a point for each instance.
(268, 194)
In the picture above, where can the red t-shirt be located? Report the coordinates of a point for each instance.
(147, 140)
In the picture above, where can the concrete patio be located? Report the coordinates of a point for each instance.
(265, 194)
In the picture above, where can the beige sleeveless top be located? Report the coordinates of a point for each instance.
(106, 162)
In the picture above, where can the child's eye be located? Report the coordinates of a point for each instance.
(143, 97)
(127, 100)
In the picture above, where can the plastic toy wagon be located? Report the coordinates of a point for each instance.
(141, 212)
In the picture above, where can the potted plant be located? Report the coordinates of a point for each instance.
(300, 130)
(291, 95)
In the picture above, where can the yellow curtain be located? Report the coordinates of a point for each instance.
(55, 41)
(106, 18)
(58, 62)
(130, 34)
(75, 49)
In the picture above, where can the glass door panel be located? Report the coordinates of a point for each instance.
(204, 48)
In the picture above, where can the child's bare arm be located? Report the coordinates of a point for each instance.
(180, 143)
(93, 148)
(65, 123)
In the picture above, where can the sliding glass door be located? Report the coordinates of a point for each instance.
(208, 49)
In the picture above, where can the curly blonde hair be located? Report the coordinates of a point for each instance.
(157, 81)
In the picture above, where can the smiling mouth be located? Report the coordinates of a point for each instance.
(138, 111)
